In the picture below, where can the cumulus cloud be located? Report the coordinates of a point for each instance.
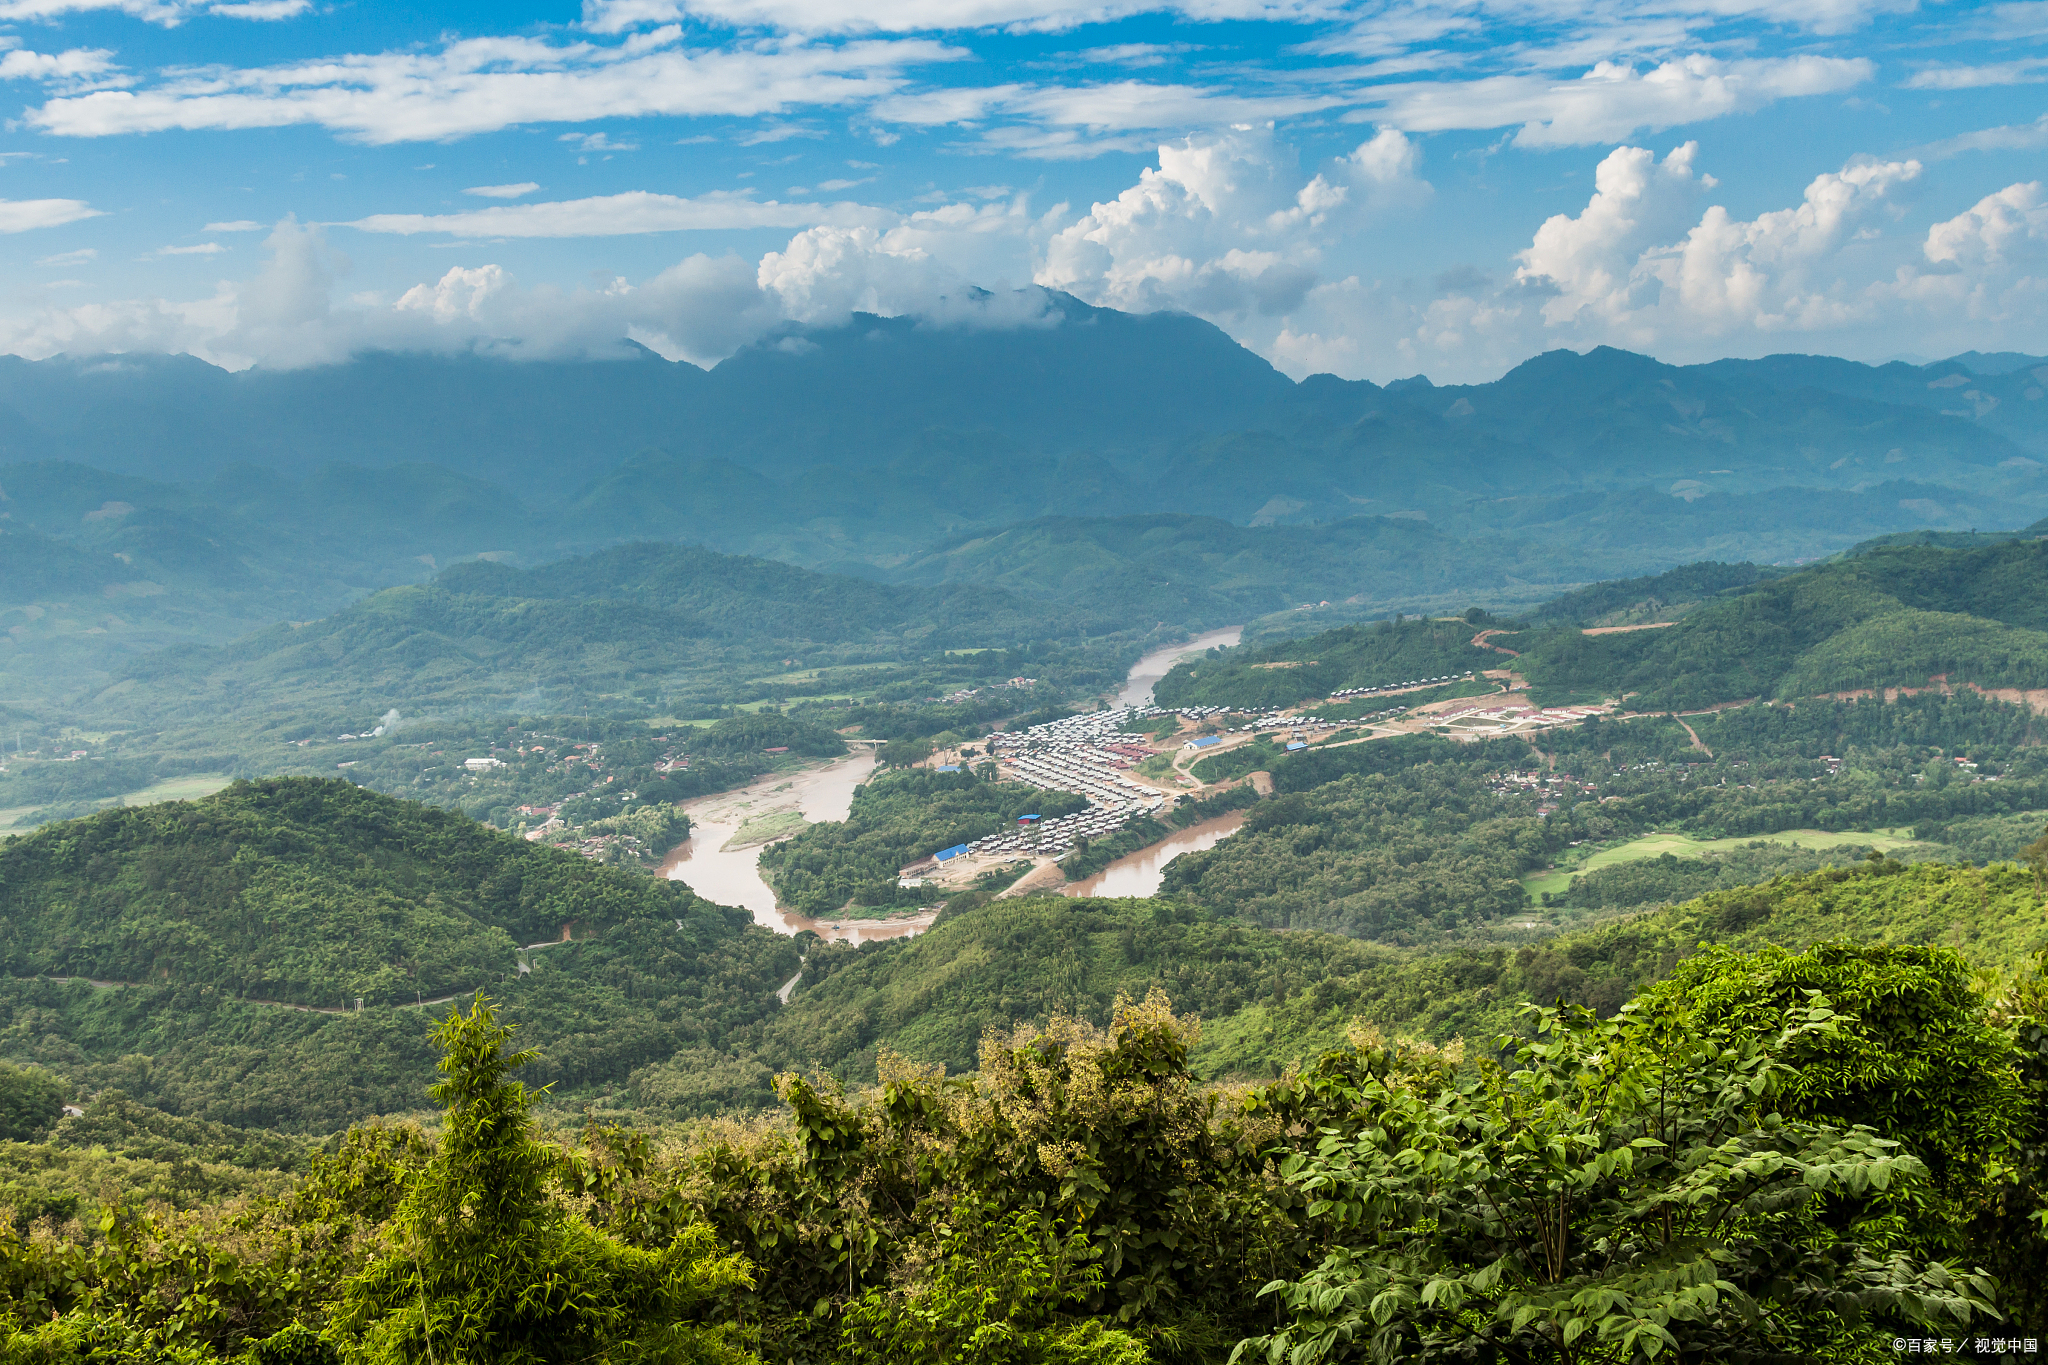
(1228, 226)
(1999, 231)
(1649, 262)
(933, 262)
(524, 187)
(615, 215)
(1638, 204)
(1233, 227)
(64, 260)
(1778, 272)
(76, 65)
(237, 225)
(1613, 100)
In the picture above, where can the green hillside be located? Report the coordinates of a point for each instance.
(640, 621)
(1350, 656)
(1890, 617)
(1655, 597)
(1269, 999)
(1203, 571)
(200, 922)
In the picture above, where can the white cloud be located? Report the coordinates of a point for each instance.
(2023, 19)
(524, 187)
(930, 262)
(919, 16)
(616, 215)
(485, 84)
(1135, 54)
(201, 249)
(237, 225)
(2026, 71)
(597, 142)
(1227, 226)
(1613, 100)
(1649, 263)
(169, 13)
(700, 309)
(79, 63)
(2007, 138)
(2001, 230)
(1068, 122)
(1638, 204)
(260, 9)
(64, 260)
(1616, 268)
(25, 215)
(1410, 20)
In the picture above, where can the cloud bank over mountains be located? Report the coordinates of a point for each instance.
(1231, 227)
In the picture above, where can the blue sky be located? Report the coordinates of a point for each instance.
(1373, 189)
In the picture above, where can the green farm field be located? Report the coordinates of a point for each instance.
(189, 787)
(1557, 880)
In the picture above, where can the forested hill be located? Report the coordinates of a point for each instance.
(311, 892)
(1900, 616)
(1350, 656)
(1891, 616)
(217, 931)
(1202, 571)
(632, 621)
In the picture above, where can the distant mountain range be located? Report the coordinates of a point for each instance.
(1115, 464)
(1165, 411)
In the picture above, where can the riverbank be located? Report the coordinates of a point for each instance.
(721, 863)
(1138, 683)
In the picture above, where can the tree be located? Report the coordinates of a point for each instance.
(905, 753)
(2036, 855)
(1627, 1189)
(993, 1297)
(1911, 1055)
(486, 1262)
(31, 1100)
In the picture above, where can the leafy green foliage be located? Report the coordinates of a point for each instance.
(31, 1101)
(1912, 1055)
(484, 1265)
(993, 1297)
(1400, 856)
(1621, 1190)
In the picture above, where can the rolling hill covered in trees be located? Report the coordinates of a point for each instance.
(1896, 616)
(1891, 615)
(1082, 1184)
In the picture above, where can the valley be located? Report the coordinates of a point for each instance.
(750, 850)
(760, 682)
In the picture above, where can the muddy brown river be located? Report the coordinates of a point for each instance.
(732, 876)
